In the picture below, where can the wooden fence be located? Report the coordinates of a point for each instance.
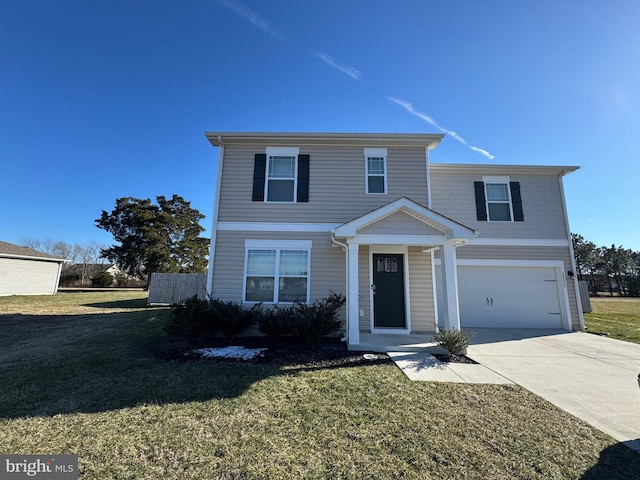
(171, 288)
(584, 296)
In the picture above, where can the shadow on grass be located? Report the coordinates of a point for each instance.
(616, 461)
(133, 303)
(104, 362)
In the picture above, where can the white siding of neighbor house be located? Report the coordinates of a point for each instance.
(336, 185)
(452, 195)
(528, 253)
(28, 277)
(327, 263)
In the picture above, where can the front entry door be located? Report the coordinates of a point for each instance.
(388, 291)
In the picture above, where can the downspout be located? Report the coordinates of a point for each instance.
(214, 222)
(426, 152)
(346, 269)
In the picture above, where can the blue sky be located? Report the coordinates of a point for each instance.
(100, 100)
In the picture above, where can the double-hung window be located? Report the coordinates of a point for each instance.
(376, 170)
(498, 200)
(281, 175)
(277, 271)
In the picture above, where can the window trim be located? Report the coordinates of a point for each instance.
(375, 153)
(285, 152)
(503, 180)
(278, 246)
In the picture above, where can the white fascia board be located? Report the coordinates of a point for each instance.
(276, 227)
(519, 242)
(397, 239)
(493, 169)
(429, 140)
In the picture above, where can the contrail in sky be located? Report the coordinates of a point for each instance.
(332, 62)
(409, 108)
(253, 17)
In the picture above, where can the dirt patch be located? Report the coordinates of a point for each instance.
(330, 353)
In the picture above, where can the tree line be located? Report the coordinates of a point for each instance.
(613, 269)
(161, 237)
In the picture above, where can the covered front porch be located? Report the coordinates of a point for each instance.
(391, 275)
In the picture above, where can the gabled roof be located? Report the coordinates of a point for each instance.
(9, 250)
(451, 230)
(425, 140)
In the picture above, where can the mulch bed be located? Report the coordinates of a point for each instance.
(283, 351)
(280, 351)
(445, 357)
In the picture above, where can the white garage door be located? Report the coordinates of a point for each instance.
(509, 297)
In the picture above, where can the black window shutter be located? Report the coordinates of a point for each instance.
(516, 200)
(259, 172)
(481, 204)
(303, 178)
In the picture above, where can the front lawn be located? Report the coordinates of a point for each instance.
(79, 378)
(616, 317)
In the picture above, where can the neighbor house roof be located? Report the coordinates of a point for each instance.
(9, 250)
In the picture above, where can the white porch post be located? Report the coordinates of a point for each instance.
(450, 287)
(352, 296)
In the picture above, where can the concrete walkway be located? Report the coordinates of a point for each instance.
(591, 377)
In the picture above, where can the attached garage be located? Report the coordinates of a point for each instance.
(24, 271)
(510, 294)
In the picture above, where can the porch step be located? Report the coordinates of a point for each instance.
(371, 342)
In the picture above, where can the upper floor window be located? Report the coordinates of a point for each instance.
(281, 175)
(281, 178)
(376, 168)
(498, 200)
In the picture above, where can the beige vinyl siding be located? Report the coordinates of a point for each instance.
(364, 290)
(28, 277)
(327, 269)
(423, 317)
(336, 185)
(399, 223)
(528, 253)
(452, 195)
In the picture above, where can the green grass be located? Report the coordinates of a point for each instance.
(616, 317)
(80, 379)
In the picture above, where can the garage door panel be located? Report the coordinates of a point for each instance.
(508, 297)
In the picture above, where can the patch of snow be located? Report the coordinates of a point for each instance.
(240, 353)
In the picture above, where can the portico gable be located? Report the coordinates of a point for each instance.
(402, 223)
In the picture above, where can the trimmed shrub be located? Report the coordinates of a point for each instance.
(306, 322)
(204, 318)
(191, 319)
(453, 341)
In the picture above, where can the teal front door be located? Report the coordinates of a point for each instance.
(388, 291)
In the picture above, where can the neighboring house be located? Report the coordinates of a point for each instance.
(414, 246)
(80, 274)
(24, 271)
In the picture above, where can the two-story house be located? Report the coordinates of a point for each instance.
(414, 246)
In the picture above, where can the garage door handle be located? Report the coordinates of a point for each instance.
(489, 302)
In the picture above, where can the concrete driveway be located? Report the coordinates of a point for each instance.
(591, 377)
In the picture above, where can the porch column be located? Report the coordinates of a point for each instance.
(353, 316)
(450, 287)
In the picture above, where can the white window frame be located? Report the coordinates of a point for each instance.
(278, 246)
(498, 180)
(375, 153)
(281, 152)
